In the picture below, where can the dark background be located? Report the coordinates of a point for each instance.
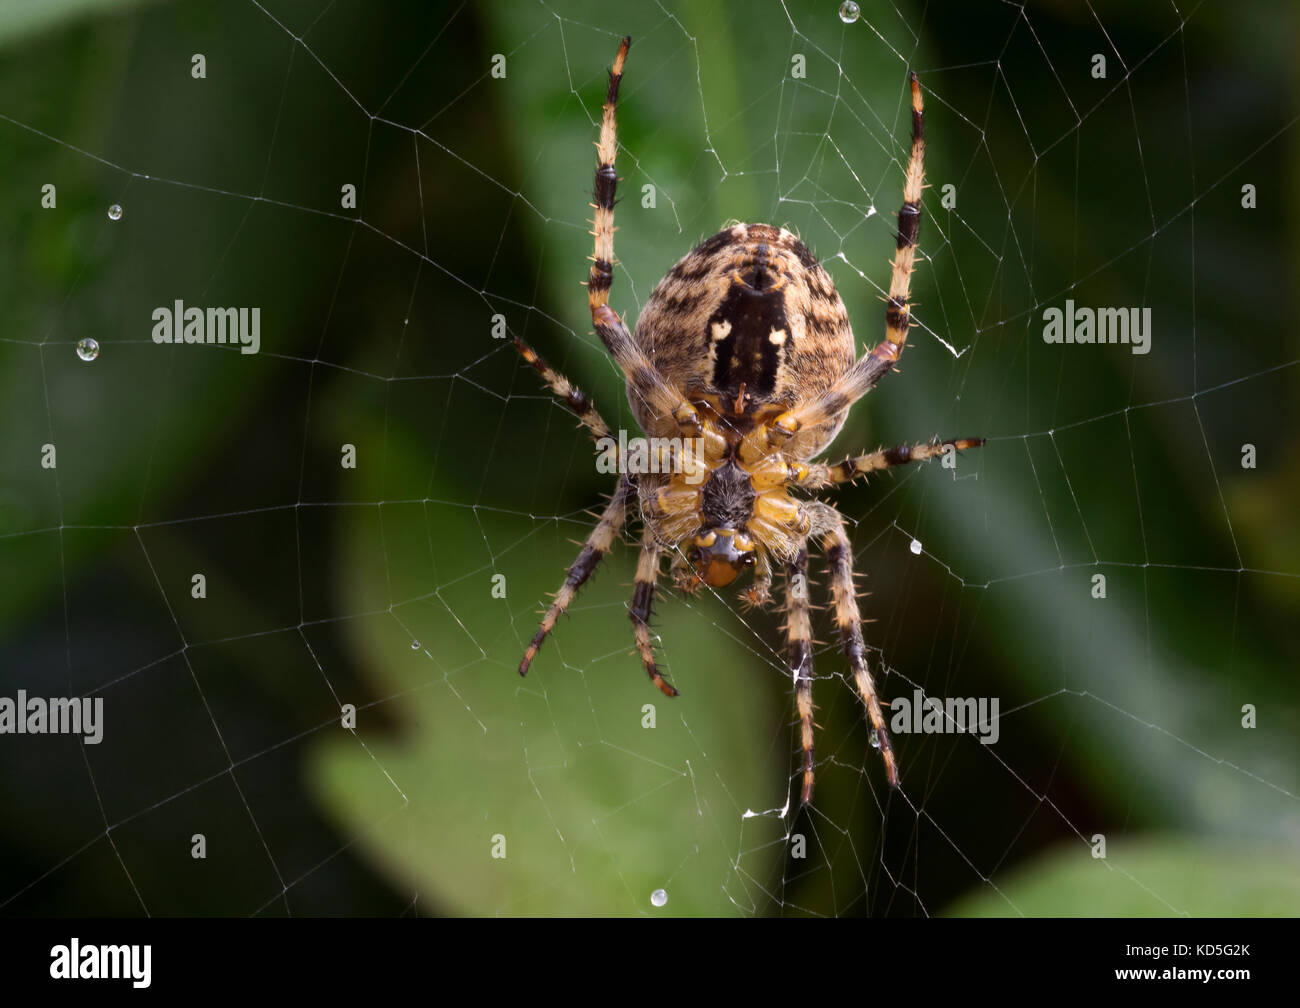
(1120, 717)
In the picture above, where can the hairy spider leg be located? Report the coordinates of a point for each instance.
(641, 374)
(798, 632)
(870, 368)
(573, 397)
(593, 552)
(820, 474)
(839, 557)
(647, 575)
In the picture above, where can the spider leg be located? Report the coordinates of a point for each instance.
(858, 380)
(593, 552)
(647, 574)
(602, 268)
(568, 393)
(685, 580)
(641, 374)
(798, 632)
(839, 557)
(819, 474)
(759, 593)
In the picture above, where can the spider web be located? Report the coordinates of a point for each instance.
(408, 583)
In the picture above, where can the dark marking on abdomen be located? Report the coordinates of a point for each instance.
(747, 354)
(681, 305)
(715, 244)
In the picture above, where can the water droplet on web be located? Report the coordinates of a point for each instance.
(875, 739)
(849, 12)
(87, 349)
(415, 645)
(658, 897)
(916, 546)
(115, 212)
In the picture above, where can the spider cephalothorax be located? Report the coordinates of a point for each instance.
(744, 365)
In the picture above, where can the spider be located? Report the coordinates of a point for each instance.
(744, 350)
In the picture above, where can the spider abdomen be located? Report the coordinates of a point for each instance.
(752, 309)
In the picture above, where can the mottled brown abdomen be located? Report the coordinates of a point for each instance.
(749, 306)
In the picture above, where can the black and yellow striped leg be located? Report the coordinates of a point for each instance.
(593, 552)
(819, 474)
(568, 393)
(839, 557)
(647, 576)
(602, 267)
(798, 632)
(636, 367)
(869, 369)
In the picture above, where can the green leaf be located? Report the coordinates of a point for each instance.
(22, 18)
(1157, 877)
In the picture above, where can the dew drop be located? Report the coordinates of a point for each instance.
(875, 739)
(115, 212)
(87, 349)
(849, 11)
(415, 645)
(658, 897)
(916, 546)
